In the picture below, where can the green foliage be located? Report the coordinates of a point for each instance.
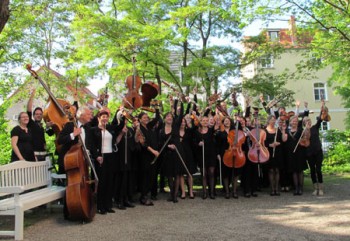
(337, 158)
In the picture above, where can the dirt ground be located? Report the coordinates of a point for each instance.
(286, 217)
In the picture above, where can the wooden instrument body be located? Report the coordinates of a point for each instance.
(149, 91)
(80, 200)
(133, 99)
(234, 156)
(258, 152)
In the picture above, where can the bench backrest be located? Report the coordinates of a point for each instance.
(24, 175)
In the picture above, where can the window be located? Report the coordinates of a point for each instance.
(324, 126)
(274, 36)
(320, 91)
(267, 61)
(15, 117)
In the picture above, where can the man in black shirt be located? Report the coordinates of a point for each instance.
(38, 132)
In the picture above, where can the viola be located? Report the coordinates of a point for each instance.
(133, 99)
(57, 109)
(234, 155)
(305, 138)
(324, 114)
(258, 152)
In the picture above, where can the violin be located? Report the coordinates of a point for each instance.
(103, 98)
(234, 155)
(305, 138)
(258, 152)
(324, 113)
(133, 99)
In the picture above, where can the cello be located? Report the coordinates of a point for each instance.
(132, 99)
(80, 196)
(56, 110)
(258, 153)
(234, 155)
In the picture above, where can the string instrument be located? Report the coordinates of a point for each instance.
(179, 93)
(304, 139)
(57, 109)
(234, 155)
(324, 113)
(149, 91)
(80, 196)
(103, 98)
(132, 99)
(258, 153)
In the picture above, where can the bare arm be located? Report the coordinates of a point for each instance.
(14, 141)
(30, 101)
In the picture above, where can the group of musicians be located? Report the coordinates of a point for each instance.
(130, 153)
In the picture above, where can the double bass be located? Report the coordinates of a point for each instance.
(133, 99)
(258, 153)
(234, 155)
(56, 110)
(81, 190)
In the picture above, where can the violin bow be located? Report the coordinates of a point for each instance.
(183, 163)
(275, 139)
(161, 150)
(296, 146)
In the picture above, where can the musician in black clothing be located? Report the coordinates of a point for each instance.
(37, 129)
(144, 136)
(69, 134)
(124, 166)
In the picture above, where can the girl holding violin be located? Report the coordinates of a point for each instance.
(145, 136)
(296, 154)
(315, 154)
(273, 142)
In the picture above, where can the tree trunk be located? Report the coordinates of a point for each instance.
(4, 13)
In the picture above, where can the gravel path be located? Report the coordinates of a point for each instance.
(281, 218)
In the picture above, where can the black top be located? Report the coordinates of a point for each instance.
(38, 133)
(24, 143)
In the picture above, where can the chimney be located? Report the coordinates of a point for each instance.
(293, 30)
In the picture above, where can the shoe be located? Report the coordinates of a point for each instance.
(254, 194)
(204, 196)
(102, 211)
(111, 210)
(247, 195)
(146, 202)
(191, 197)
(234, 195)
(183, 197)
(227, 195)
(129, 204)
(120, 206)
(272, 193)
(175, 200)
(211, 196)
(154, 198)
(277, 194)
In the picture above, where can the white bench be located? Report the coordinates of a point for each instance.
(25, 185)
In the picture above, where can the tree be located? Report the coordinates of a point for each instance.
(4, 13)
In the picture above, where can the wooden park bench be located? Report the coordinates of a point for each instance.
(23, 186)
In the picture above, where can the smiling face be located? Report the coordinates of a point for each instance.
(169, 119)
(23, 118)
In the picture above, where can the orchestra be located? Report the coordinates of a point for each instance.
(131, 150)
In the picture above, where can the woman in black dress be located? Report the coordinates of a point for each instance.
(145, 136)
(296, 154)
(273, 141)
(205, 145)
(171, 163)
(186, 133)
(21, 140)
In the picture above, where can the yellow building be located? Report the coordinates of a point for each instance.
(312, 89)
